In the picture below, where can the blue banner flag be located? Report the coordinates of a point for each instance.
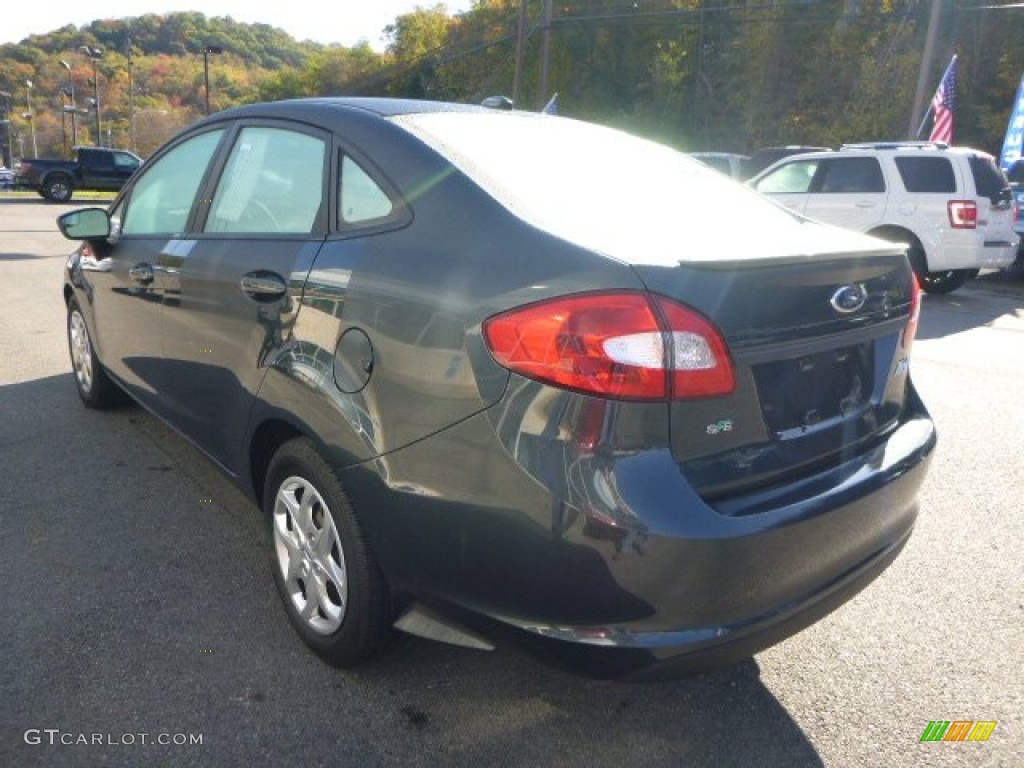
(1014, 131)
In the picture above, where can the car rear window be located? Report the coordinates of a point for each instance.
(926, 174)
(609, 191)
(989, 181)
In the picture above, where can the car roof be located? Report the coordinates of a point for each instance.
(381, 107)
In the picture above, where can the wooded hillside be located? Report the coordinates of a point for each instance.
(699, 74)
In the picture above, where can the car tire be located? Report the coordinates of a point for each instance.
(94, 385)
(945, 281)
(58, 189)
(332, 588)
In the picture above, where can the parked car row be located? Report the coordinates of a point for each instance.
(952, 208)
(743, 167)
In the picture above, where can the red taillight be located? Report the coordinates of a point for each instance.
(915, 315)
(963, 214)
(619, 345)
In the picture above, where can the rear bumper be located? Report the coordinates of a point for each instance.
(747, 582)
(972, 249)
(608, 562)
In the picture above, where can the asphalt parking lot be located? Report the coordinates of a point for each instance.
(137, 599)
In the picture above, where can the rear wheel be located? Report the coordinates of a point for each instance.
(58, 189)
(91, 380)
(332, 589)
(943, 281)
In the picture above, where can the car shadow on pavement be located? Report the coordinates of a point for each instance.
(507, 708)
(142, 599)
(970, 307)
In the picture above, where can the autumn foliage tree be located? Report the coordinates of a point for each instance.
(699, 74)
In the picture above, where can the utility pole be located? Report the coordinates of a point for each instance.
(520, 52)
(924, 72)
(545, 55)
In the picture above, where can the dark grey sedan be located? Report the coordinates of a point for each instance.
(495, 374)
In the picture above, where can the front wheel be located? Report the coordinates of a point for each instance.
(332, 589)
(91, 380)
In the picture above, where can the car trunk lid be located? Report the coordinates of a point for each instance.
(820, 364)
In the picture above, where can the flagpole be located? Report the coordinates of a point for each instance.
(924, 120)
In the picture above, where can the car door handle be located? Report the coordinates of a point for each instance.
(263, 286)
(141, 273)
(864, 204)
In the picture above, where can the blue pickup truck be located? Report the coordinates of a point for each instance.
(94, 168)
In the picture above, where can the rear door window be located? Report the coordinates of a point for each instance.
(273, 184)
(927, 174)
(851, 175)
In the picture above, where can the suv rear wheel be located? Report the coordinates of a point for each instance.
(945, 281)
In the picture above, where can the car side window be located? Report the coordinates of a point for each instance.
(852, 175)
(360, 199)
(123, 160)
(273, 183)
(792, 178)
(926, 174)
(162, 198)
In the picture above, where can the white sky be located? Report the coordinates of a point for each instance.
(325, 21)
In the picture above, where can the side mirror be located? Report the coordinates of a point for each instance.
(85, 224)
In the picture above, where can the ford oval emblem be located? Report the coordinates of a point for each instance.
(849, 298)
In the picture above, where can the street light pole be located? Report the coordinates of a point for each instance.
(31, 117)
(131, 98)
(95, 54)
(63, 123)
(207, 51)
(71, 95)
(6, 147)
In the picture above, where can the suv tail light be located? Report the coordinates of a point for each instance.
(963, 214)
(624, 345)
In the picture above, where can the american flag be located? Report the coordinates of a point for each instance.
(943, 105)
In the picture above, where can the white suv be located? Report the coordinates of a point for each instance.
(952, 206)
